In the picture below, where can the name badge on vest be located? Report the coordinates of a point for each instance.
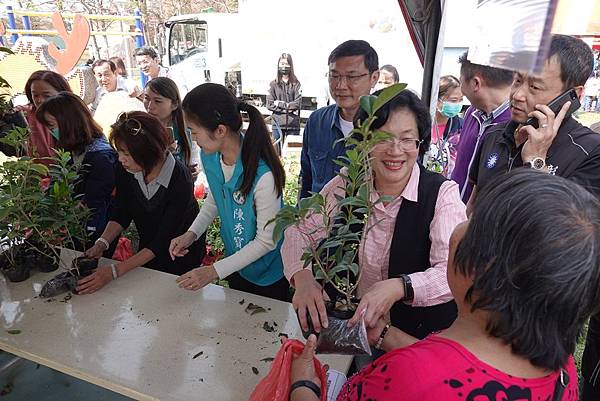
(239, 198)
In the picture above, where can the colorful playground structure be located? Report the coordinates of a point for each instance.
(32, 52)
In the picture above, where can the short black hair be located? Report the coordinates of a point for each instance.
(575, 57)
(356, 48)
(145, 51)
(493, 77)
(392, 70)
(532, 249)
(405, 99)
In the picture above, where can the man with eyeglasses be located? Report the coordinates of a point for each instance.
(353, 72)
(559, 146)
(149, 62)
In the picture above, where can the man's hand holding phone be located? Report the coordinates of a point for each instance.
(539, 140)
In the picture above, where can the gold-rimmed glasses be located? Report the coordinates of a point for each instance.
(405, 144)
(132, 125)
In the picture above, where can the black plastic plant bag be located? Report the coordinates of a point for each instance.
(67, 281)
(340, 339)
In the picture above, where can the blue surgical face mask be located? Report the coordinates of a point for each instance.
(450, 109)
(55, 133)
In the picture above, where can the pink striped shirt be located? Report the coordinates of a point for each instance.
(430, 286)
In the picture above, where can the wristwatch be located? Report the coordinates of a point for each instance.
(537, 163)
(409, 293)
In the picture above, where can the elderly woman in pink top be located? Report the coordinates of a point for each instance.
(405, 255)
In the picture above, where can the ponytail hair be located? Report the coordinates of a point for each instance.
(211, 105)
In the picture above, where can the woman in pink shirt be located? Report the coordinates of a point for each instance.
(403, 257)
(524, 273)
(40, 86)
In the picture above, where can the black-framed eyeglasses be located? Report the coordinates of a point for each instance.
(132, 125)
(336, 78)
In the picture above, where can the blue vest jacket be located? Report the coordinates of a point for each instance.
(238, 218)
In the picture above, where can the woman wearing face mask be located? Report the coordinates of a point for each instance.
(246, 182)
(445, 130)
(71, 123)
(40, 86)
(285, 97)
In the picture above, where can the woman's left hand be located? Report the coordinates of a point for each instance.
(194, 170)
(92, 283)
(197, 278)
(378, 301)
(303, 365)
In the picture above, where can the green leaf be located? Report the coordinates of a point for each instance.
(331, 243)
(386, 95)
(319, 275)
(278, 232)
(13, 331)
(354, 268)
(367, 102)
(39, 168)
(340, 267)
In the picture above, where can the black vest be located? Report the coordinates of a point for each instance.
(409, 253)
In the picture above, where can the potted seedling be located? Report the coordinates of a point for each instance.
(63, 224)
(334, 260)
(20, 195)
(37, 219)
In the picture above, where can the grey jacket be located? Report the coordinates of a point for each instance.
(288, 114)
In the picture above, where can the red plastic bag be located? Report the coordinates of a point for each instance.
(124, 250)
(276, 385)
(199, 191)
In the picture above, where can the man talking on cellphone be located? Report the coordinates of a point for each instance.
(559, 146)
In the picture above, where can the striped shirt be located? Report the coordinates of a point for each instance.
(431, 285)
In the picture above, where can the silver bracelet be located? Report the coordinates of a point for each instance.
(115, 274)
(103, 242)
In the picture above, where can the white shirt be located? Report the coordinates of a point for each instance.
(346, 126)
(100, 91)
(129, 85)
(266, 204)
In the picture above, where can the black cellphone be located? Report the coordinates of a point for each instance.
(557, 103)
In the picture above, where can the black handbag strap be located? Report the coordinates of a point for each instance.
(562, 381)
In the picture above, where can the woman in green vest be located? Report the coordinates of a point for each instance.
(246, 181)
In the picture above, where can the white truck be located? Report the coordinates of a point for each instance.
(241, 50)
